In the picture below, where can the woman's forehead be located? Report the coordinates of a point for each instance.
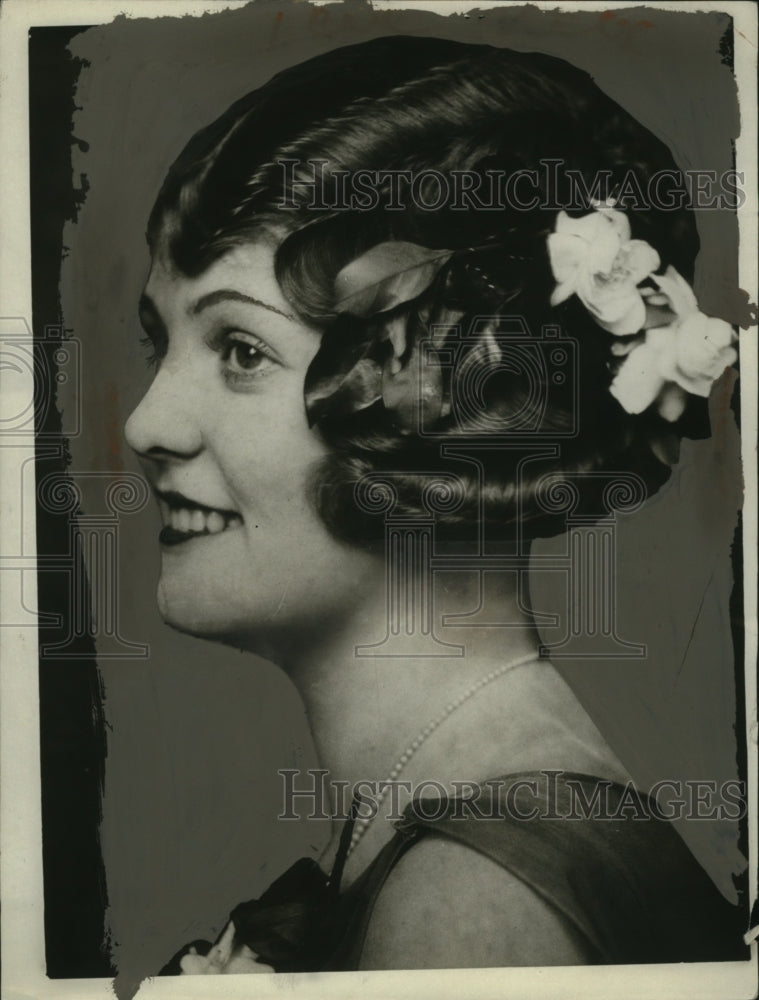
(247, 269)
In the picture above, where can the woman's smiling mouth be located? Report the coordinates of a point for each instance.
(184, 519)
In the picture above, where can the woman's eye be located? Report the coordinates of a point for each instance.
(243, 357)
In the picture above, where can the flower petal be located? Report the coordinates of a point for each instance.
(678, 291)
(638, 381)
(671, 402)
(658, 314)
(607, 238)
(194, 965)
(565, 254)
(621, 315)
(639, 259)
(619, 221)
(701, 383)
(701, 341)
(620, 348)
(663, 341)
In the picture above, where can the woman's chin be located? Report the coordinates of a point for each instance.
(186, 613)
(196, 616)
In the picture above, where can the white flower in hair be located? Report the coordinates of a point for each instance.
(684, 356)
(594, 258)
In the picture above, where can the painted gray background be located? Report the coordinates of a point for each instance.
(197, 732)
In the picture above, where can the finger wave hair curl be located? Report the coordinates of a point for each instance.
(416, 104)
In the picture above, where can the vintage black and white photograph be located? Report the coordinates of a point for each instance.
(379, 499)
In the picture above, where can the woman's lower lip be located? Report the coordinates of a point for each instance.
(171, 536)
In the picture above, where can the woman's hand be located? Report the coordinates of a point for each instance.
(225, 958)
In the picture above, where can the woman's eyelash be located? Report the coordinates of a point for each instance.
(232, 336)
(148, 344)
(230, 345)
(225, 344)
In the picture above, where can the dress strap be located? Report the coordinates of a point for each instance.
(598, 852)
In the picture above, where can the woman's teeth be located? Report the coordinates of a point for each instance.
(198, 522)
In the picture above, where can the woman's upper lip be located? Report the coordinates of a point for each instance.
(176, 499)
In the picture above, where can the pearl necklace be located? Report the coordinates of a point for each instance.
(362, 823)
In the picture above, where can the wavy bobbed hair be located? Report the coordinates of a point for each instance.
(422, 105)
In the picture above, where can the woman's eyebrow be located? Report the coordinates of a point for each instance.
(231, 294)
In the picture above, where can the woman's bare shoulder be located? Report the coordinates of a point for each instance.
(445, 905)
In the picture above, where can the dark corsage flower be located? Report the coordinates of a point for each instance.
(295, 923)
(295, 926)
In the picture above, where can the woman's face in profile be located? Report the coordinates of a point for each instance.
(223, 437)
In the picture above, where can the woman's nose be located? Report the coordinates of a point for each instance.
(165, 422)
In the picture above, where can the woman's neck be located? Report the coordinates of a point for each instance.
(365, 711)
(365, 708)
